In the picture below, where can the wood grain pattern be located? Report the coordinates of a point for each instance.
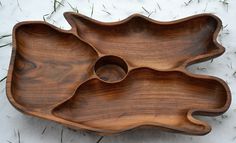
(48, 60)
(113, 77)
(145, 96)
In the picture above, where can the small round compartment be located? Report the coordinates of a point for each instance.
(111, 68)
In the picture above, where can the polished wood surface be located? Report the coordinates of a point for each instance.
(113, 77)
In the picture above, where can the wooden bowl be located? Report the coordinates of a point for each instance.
(113, 77)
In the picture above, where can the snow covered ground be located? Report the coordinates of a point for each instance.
(16, 127)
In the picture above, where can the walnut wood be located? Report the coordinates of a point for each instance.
(113, 77)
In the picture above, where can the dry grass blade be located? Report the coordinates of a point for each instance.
(4, 36)
(211, 60)
(150, 13)
(18, 135)
(44, 130)
(187, 3)
(106, 12)
(56, 6)
(45, 15)
(229, 65)
(5, 45)
(92, 10)
(73, 130)
(3, 79)
(60, 3)
(159, 7)
(61, 135)
(234, 74)
(225, 3)
(99, 140)
(73, 8)
(224, 116)
(18, 4)
(205, 7)
(224, 26)
(103, 6)
(234, 138)
(145, 10)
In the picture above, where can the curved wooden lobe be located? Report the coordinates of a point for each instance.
(48, 65)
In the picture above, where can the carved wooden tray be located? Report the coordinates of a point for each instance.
(113, 77)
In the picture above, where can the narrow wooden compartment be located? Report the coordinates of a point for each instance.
(113, 77)
(144, 97)
(145, 42)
